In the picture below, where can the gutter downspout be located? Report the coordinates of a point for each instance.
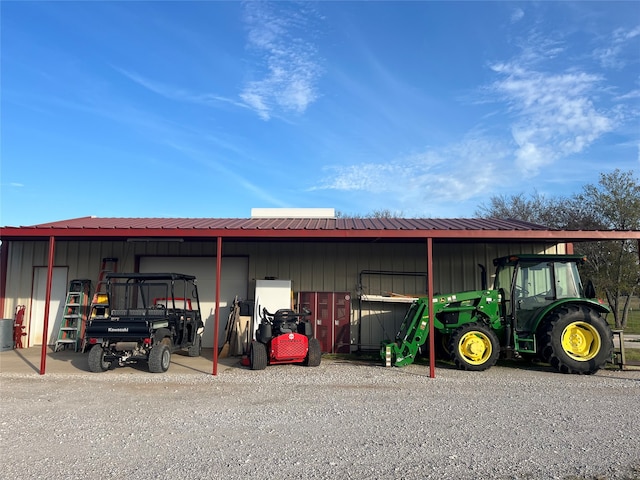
(47, 302)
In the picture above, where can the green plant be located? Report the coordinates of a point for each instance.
(633, 320)
(633, 323)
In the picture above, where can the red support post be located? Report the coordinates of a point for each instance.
(216, 323)
(432, 348)
(47, 302)
(4, 262)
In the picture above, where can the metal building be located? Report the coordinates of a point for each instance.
(357, 275)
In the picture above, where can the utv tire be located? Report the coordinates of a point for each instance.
(258, 356)
(474, 347)
(195, 349)
(314, 355)
(159, 358)
(576, 339)
(97, 362)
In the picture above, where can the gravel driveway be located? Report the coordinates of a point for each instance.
(340, 420)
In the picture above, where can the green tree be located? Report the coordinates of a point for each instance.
(385, 213)
(612, 204)
(535, 208)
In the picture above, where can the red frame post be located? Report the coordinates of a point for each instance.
(47, 302)
(216, 323)
(432, 349)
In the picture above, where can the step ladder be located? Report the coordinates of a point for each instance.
(99, 302)
(74, 315)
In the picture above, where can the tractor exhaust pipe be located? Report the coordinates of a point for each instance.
(483, 277)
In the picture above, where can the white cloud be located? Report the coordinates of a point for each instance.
(287, 68)
(177, 94)
(537, 48)
(554, 110)
(517, 15)
(610, 56)
(254, 98)
(621, 35)
(434, 177)
(555, 113)
(629, 95)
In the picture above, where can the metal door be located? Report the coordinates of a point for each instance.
(331, 319)
(56, 306)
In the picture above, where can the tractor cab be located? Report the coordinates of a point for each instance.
(529, 283)
(531, 287)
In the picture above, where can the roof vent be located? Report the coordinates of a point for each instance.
(293, 213)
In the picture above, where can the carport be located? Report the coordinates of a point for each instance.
(293, 228)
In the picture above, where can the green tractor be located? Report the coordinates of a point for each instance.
(538, 307)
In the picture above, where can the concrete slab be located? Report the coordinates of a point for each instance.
(28, 360)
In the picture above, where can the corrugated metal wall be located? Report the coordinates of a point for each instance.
(311, 266)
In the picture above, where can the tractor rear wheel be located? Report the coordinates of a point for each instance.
(576, 339)
(474, 347)
(258, 356)
(314, 355)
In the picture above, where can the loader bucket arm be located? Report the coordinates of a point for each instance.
(450, 311)
(412, 335)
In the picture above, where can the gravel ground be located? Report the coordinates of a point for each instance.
(340, 420)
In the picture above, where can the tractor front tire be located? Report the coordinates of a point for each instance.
(258, 356)
(97, 362)
(474, 347)
(441, 343)
(314, 355)
(160, 358)
(576, 339)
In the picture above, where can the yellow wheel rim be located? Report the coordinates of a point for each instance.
(475, 347)
(581, 341)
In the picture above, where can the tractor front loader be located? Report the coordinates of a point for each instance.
(537, 307)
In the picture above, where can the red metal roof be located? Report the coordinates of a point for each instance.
(289, 224)
(300, 227)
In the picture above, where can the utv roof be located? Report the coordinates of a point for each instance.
(513, 259)
(151, 276)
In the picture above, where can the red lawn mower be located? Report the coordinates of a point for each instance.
(284, 337)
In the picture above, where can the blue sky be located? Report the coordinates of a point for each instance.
(209, 109)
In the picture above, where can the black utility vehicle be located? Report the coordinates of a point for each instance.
(144, 316)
